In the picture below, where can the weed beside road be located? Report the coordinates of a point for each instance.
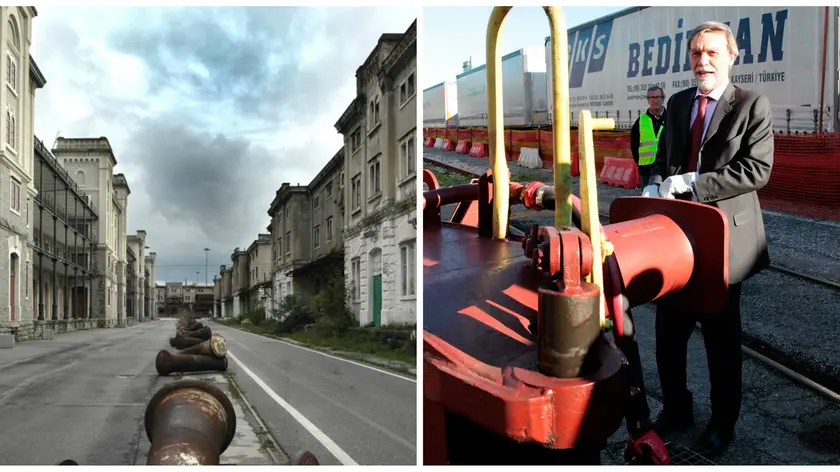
(393, 343)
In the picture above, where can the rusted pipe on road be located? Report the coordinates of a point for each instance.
(181, 342)
(189, 422)
(203, 333)
(213, 347)
(169, 362)
(304, 458)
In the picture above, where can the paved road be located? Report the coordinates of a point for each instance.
(79, 396)
(342, 411)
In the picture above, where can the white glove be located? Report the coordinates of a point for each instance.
(651, 191)
(677, 185)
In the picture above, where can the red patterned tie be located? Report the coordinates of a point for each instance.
(697, 133)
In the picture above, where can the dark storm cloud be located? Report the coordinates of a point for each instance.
(260, 66)
(200, 179)
(204, 169)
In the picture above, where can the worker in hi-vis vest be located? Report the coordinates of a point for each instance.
(644, 136)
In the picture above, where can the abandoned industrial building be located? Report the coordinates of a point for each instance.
(65, 234)
(356, 219)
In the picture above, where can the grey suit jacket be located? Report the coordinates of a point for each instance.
(736, 158)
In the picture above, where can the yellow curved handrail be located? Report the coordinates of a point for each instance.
(495, 123)
(590, 224)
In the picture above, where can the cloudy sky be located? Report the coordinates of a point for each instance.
(209, 110)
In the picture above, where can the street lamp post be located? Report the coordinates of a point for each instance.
(206, 253)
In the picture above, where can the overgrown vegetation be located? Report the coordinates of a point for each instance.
(326, 320)
(448, 178)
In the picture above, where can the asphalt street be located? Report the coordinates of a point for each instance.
(80, 396)
(342, 411)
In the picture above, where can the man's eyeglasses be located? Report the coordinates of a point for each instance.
(655, 96)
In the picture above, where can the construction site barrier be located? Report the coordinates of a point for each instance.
(447, 145)
(620, 172)
(805, 178)
(479, 150)
(463, 146)
(430, 141)
(530, 158)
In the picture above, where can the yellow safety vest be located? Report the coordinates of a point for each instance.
(648, 141)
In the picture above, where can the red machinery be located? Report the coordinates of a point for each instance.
(522, 363)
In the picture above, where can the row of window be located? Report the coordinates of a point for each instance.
(407, 160)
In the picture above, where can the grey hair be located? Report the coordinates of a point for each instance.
(656, 87)
(715, 26)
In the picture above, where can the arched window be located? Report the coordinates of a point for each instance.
(13, 56)
(9, 126)
(80, 178)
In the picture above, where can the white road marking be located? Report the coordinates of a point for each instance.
(372, 424)
(366, 366)
(328, 443)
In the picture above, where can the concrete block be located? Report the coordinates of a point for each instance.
(7, 341)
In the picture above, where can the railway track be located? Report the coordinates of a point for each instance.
(762, 353)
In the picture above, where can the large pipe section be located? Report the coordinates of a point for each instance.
(213, 347)
(169, 362)
(189, 422)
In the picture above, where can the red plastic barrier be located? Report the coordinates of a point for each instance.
(478, 150)
(620, 172)
(463, 147)
(447, 145)
(430, 142)
(575, 164)
(805, 177)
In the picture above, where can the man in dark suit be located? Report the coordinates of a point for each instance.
(717, 149)
(646, 131)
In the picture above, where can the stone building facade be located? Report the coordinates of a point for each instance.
(21, 78)
(379, 129)
(92, 161)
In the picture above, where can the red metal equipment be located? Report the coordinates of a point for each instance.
(523, 359)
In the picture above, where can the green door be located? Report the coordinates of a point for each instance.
(377, 300)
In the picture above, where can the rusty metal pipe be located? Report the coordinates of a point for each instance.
(203, 333)
(213, 347)
(169, 362)
(190, 327)
(304, 458)
(181, 342)
(189, 422)
(568, 323)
